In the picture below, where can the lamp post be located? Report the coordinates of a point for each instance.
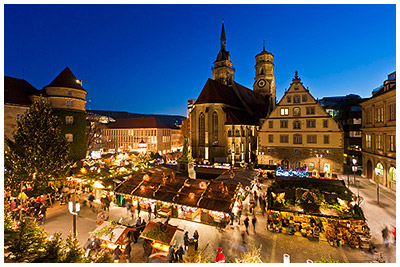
(74, 208)
(319, 156)
(354, 168)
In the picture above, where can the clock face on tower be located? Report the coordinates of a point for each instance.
(261, 83)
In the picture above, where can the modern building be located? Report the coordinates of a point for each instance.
(225, 116)
(346, 110)
(66, 96)
(142, 135)
(379, 134)
(299, 133)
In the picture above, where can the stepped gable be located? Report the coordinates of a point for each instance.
(17, 91)
(149, 122)
(66, 79)
(216, 92)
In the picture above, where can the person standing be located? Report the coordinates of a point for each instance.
(239, 214)
(253, 222)
(117, 254)
(246, 224)
(127, 251)
(385, 236)
(180, 254)
(91, 199)
(220, 256)
(394, 233)
(196, 239)
(128, 206)
(155, 211)
(149, 211)
(170, 256)
(147, 250)
(255, 198)
(186, 240)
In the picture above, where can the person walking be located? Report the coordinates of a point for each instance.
(149, 211)
(186, 240)
(394, 233)
(239, 214)
(127, 251)
(220, 256)
(155, 211)
(253, 222)
(385, 236)
(255, 198)
(170, 257)
(180, 253)
(147, 249)
(196, 240)
(117, 254)
(91, 199)
(139, 208)
(246, 224)
(128, 206)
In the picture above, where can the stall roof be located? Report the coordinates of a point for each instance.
(164, 234)
(217, 195)
(118, 232)
(245, 177)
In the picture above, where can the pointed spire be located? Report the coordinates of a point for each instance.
(223, 37)
(264, 46)
(295, 75)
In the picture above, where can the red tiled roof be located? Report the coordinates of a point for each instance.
(66, 79)
(17, 91)
(148, 122)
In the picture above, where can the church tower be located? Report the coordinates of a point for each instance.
(264, 81)
(223, 71)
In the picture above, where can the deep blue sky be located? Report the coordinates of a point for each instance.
(152, 58)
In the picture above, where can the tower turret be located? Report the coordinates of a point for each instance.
(223, 70)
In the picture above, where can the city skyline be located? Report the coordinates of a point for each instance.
(146, 62)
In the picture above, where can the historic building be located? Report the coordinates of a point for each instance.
(346, 110)
(379, 134)
(299, 133)
(142, 135)
(225, 116)
(66, 96)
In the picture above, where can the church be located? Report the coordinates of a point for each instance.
(225, 117)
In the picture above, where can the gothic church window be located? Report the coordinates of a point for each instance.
(202, 126)
(215, 128)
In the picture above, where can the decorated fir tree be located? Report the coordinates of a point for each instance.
(38, 152)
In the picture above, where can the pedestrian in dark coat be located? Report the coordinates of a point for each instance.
(155, 211)
(196, 239)
(170, 257)
(127, 251)
(255, 199)
(385, 236)
(117, 254)
(147, 250)
(186, 239)
(253, 222)
(149, 211)
(180, 253)
(246, 223)
(139, 208)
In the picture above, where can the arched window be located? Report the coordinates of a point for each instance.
(392, 174)
(229, 133)
(215, 128)
(202, 132)
(296, 99)
(296, 125)
(296, 111)
(237, 133)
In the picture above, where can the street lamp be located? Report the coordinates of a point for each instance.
(74, 208)
(354, 168)
(319, 156)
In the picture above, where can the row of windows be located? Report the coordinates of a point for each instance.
(239, 133)
(150, 132)
(379, 142)
(70, 103)
(297, 111)
(296, 98)
(297, 124)
(298, 139)
(380, 114)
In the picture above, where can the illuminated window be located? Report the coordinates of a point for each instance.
(215, 128)
(379, 114)
(69, 137)
(392, 112)
(284, 111)
(379, 142)
(392, 143)
(368, 141)
(69, 119)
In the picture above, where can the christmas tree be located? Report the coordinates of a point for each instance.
(37, 152)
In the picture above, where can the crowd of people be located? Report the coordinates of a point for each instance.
(32, 208)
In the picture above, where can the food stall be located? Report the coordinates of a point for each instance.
(317, 208)
(161, 235)
(111, 234)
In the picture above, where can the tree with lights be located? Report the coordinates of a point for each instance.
(38, 152)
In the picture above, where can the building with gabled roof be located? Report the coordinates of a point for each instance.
(66, 96)
(225, 116)
(298, 130)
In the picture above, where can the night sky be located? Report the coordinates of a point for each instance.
(152, 58)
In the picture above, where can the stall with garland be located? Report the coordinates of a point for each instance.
(317, 208)
(199, 200)
(161, 236)
(111, 234)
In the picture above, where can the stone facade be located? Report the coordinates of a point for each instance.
(379, 134)
(297, 130)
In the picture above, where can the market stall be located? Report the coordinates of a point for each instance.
(161, 236)
(111, 234)
(317, 208)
